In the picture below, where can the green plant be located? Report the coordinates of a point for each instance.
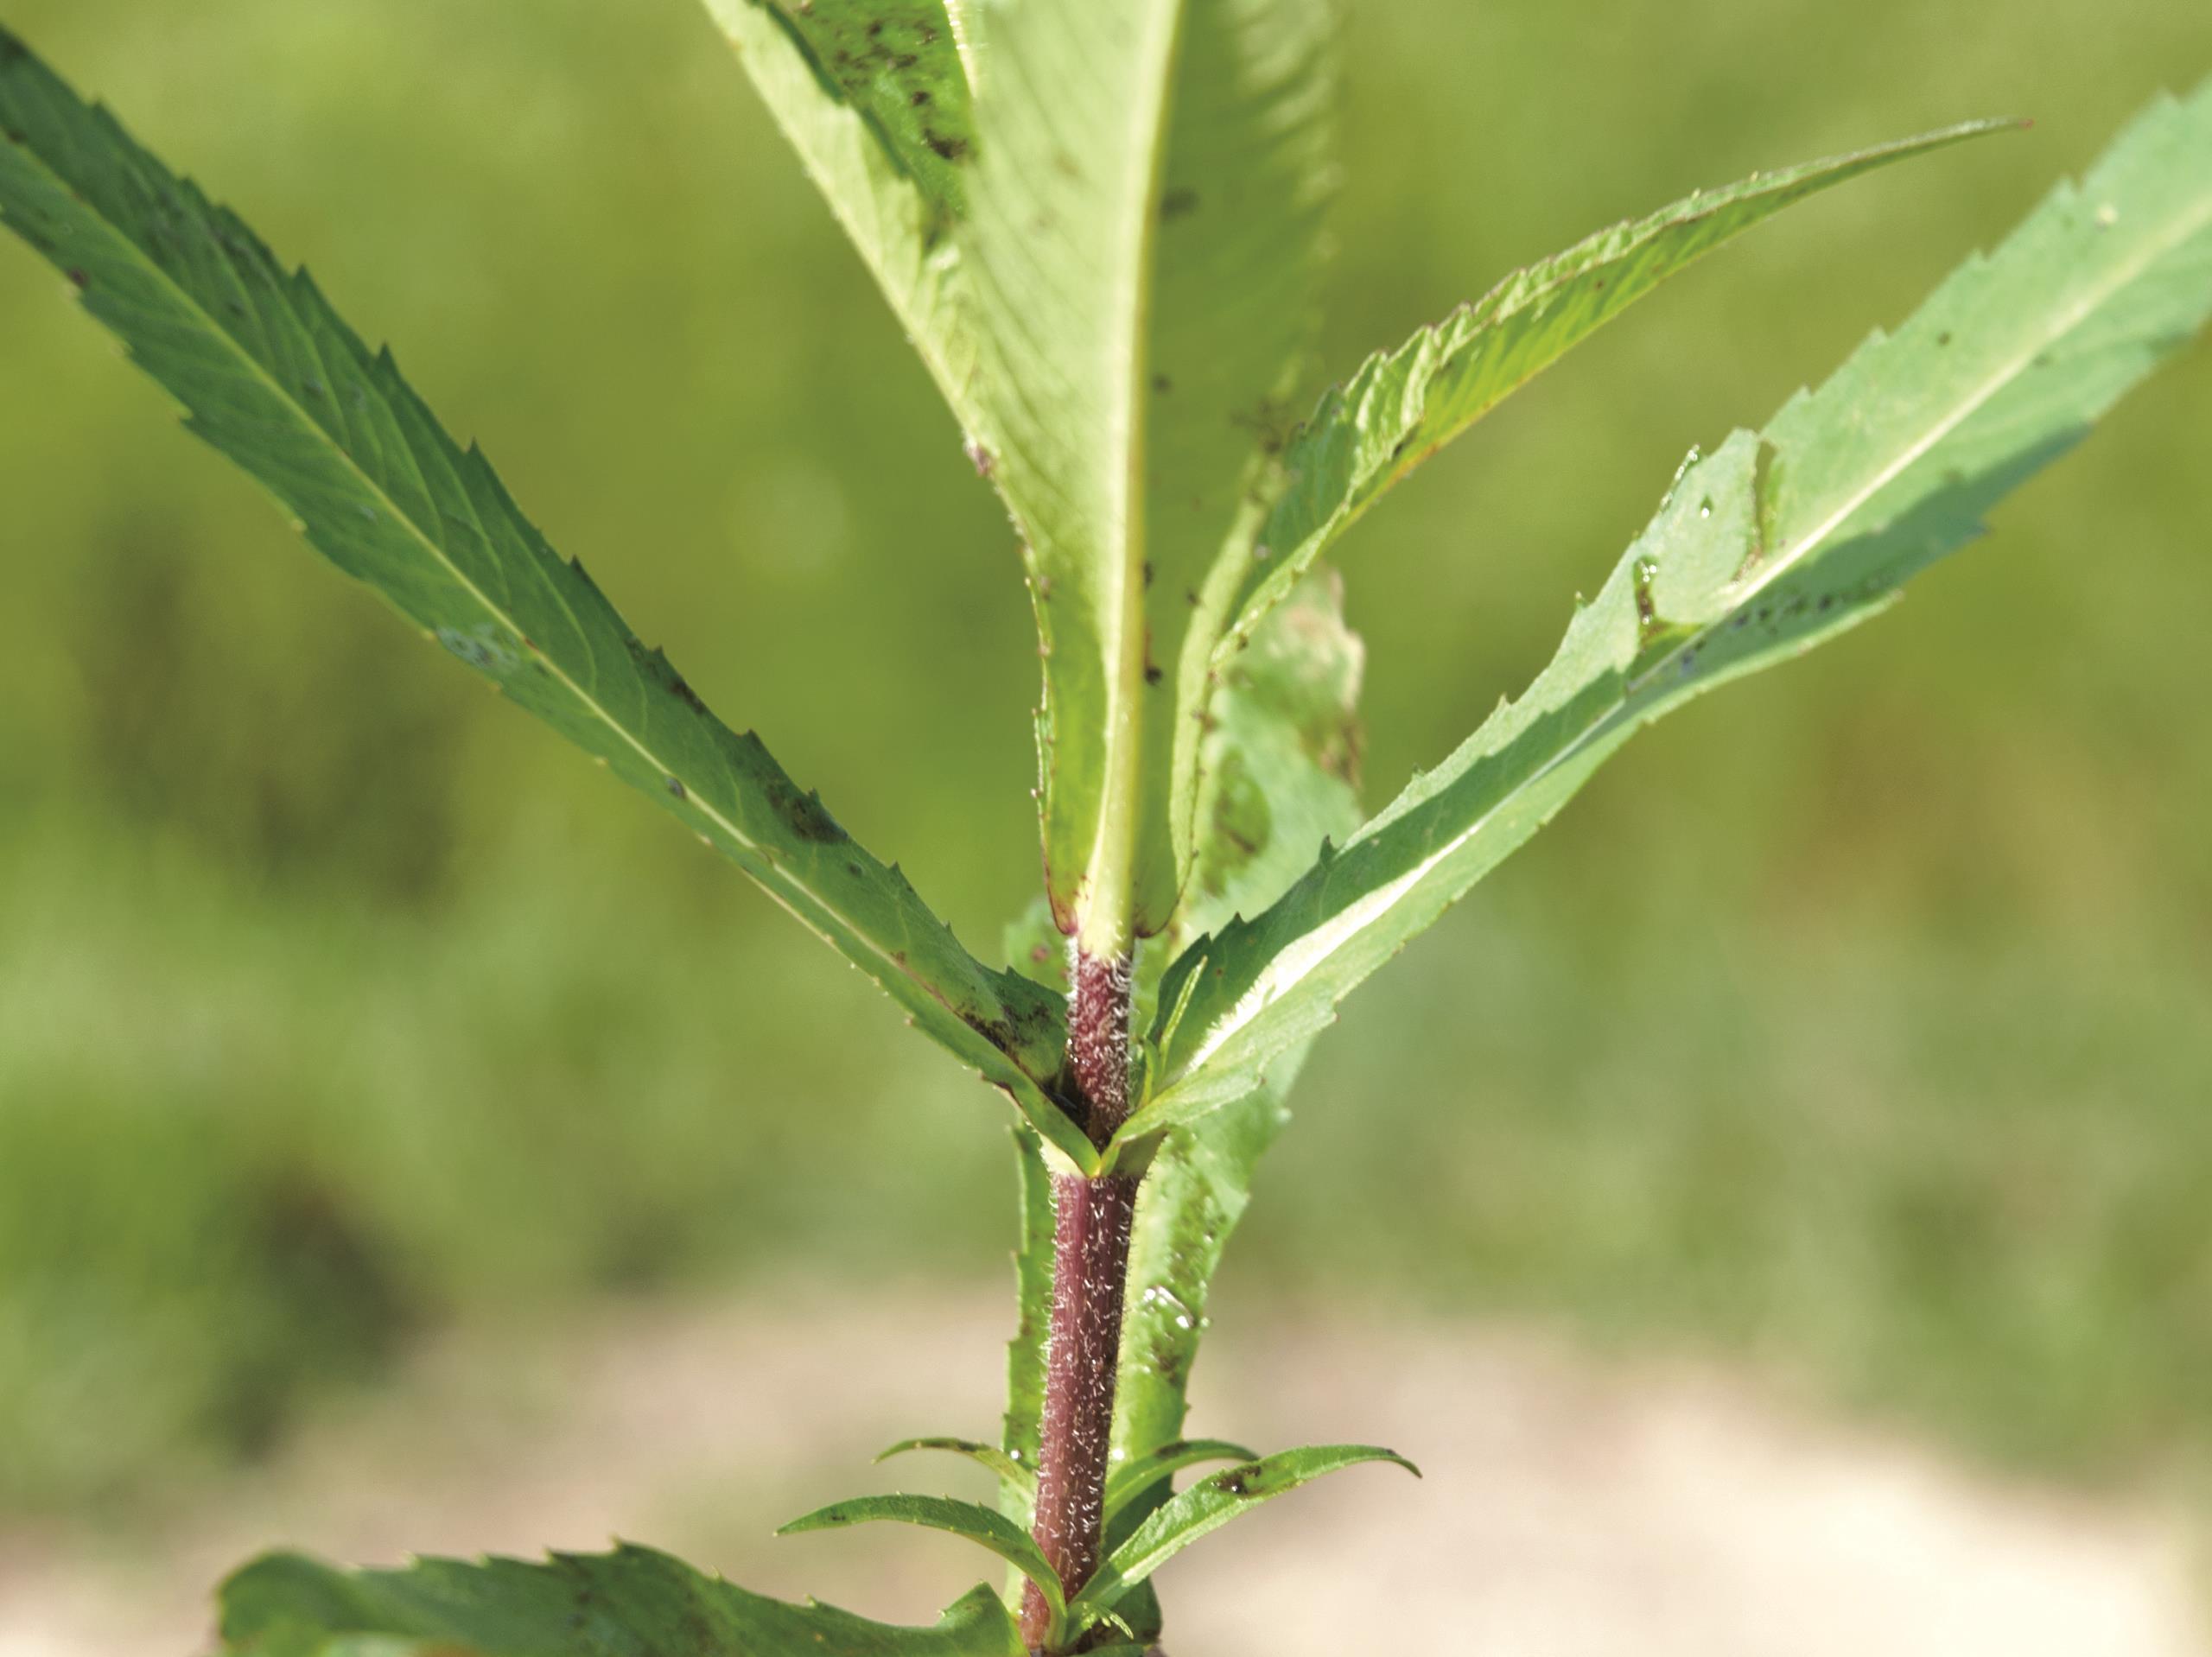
(1099, 226)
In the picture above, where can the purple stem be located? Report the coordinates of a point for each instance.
(1091, 1275)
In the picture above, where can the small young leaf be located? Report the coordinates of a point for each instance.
(1206, 1506)
(1137, 1478)
(631, 1603)
(989, 1456)
(1776, 542)
(1401, 406)
(1025, 1352)
(978, 1524)
(270, 376)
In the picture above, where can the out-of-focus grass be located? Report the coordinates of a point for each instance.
(1856, 1019)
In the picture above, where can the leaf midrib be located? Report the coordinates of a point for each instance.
(1106, 927)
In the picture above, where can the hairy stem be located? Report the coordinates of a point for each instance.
(1090, 1274)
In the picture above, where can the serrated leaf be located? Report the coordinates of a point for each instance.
(1135, 328)
(986, 1455)
(631, 1603)
(1142, 1477)
(1205, 1507)
(1401, 406)
(270, 376)
(978, 1524)
(1776, 542)
(875, 97)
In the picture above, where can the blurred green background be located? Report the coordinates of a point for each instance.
(1859, 1023)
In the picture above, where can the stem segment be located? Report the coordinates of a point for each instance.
(1091, 1275)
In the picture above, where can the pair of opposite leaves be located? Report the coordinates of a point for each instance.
(1778, 540)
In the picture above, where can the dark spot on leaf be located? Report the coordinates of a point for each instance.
(806, 813)
(919, 98)
(683, 693)
(1152, 675)
(79, 278)
(1177, 203)
(1161, 384)
(950, 149)
(997, 1031)
(676, 789)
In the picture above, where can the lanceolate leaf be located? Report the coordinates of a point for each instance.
(1206, 1506)
(1025, 1352)
(1774, 544)
(1142, 1477)
(979, 1525)
(989, 1455)
(269, 375)
(1401, 406)
(631, 1603)
(874, 96)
